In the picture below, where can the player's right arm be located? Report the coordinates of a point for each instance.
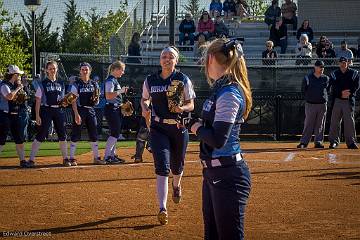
(38, 96)
(74, 105)
(8, 94)
(145, 103)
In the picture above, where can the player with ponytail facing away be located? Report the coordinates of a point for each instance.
(226, 176)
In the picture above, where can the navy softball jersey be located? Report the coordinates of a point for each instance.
(85, 106)
(51, 92)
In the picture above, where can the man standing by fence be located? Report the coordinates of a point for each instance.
(314, 88)
(345, 83)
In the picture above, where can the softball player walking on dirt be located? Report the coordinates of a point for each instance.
(226, 176)
(10, 88)
(315, 89)
(345, 84)
(88, 93)
(169, 140)
(113, 114)
(47, 108)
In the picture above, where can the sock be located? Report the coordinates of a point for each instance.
(162, 190)
(1, 148)
(34, 149)
(177, 179)
(113, 150)
(95, 149)
(20, 151)
(72, 149)
(110, 143)
(63, 147)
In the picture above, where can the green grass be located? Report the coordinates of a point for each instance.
(52, 148)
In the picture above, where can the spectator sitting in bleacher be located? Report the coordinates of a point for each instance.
(229, 8)
(220, 28)
(269, 54)
(303, 50)
(272, 13)
(328, 52)
(206, 25)
(134, 49)
(320, 46)
(215, 8)
(186, 30)
(288, 11)
(345, 52)
(278, 35)
(305, 29)
(199, 48)
(241, 8)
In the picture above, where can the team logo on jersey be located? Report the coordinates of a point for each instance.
(158, 89)
(207, 105)
(53, 88)
(87, 89)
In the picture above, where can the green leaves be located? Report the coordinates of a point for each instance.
(91, 34)
(13, 48)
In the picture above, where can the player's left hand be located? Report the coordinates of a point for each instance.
(345, 94)
(77, 119)
(179, 109)
(195, 127)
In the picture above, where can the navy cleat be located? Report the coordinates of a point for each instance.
(67, 162)
(30, 164)
(24, 164)
(301, 145)
(318, 145)
(73, 162)
(118, 160)
(333, 145)
(353, 146)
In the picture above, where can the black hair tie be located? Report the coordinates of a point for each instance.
(233, 44)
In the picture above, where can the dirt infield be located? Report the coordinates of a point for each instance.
(296, 194)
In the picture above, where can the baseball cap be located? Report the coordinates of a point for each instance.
(319, 63)
(13, 69)
(343, 59)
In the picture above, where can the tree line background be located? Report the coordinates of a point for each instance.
(81, 33)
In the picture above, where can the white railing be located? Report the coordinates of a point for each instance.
(161, 20)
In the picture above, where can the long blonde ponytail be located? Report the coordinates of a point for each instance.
(235, 69)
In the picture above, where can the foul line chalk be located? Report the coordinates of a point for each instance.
(332, 158)
(290, 157)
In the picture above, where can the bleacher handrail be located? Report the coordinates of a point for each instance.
(159, 22)
(128, 16)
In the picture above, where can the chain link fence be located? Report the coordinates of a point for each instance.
(278, 105)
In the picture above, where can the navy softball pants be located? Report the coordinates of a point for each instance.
(10, 122)
(168, 145)
(48, 114)
(88, 118)
(225, 193)
(114, 118)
